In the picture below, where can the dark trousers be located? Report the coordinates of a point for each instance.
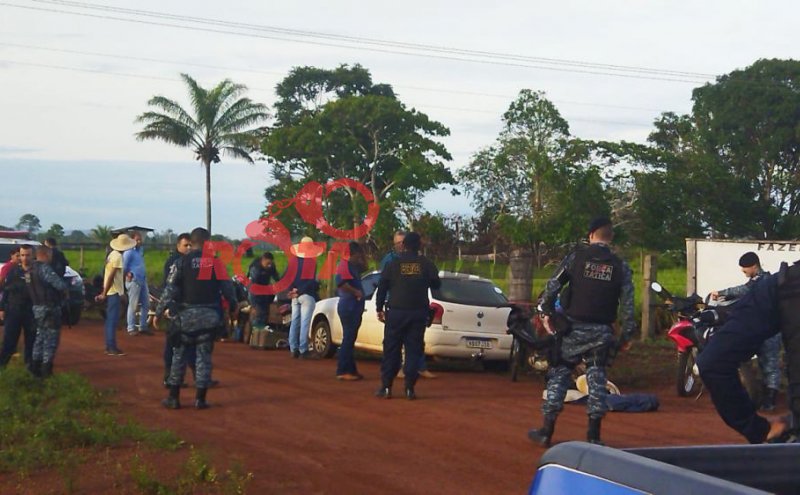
(190, 353)
(351, 322)
(260, 304)
(18, 319)
(753, 321)
(404, 329)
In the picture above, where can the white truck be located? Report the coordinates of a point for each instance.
(713, 264)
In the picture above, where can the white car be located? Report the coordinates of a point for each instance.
(71, 313)
(470, 321)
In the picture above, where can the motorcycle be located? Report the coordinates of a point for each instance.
(530, 340)
(694, 322)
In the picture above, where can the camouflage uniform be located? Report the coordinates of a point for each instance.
(587, 342)
(47, 288)
(193, 325)
(591, 343)
(770, 351)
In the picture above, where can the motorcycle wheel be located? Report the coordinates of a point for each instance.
(687, 381)
(517, 359)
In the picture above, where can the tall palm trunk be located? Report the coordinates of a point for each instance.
(208, 195)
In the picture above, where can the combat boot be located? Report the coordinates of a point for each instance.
(36, 369)
(768, 403)
(200, 399)
(173, 401)
(593, 434)
(47, 369)
(544, 435)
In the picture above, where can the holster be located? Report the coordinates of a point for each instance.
(174, 332)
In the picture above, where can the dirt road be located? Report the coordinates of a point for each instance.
(300, 431)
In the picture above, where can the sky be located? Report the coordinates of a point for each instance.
(74, 75)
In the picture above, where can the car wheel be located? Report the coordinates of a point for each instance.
(321, 342)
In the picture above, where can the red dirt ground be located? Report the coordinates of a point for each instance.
(298, 430)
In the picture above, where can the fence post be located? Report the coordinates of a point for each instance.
(648, 314)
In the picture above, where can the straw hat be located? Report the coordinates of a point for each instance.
(122, 242)
(306, 248)
(583, 386)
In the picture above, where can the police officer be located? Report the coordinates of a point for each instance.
(769, 353)
(18, 308)
(48, 290)
(409, 277)
(770, 306)
(182, 246)
(598, 283)
(193, 296)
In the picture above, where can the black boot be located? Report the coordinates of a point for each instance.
(384, 392)
(593, 435)
(36, 369)
(544, 435)
(768, 403)
(173, 401)
(47, 369)
(200, 399)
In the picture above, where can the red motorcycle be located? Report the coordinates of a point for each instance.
(694, 323)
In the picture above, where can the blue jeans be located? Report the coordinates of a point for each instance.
(260, 309)
(112, 317)
(137, 293)
(351, 322)
(302, 308)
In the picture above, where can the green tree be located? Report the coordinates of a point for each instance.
(530, 177)
(748, 123)
(336, 124)
(56, 231)
(221, 121)
(102, 233)
(29, 222)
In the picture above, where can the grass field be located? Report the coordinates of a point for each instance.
(673, 279)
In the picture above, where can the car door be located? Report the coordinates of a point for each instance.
(370, 335)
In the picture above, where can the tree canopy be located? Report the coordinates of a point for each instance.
(338, 124)
(221, 121)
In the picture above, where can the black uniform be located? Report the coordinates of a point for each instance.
(18, 306)
(409, 278)
(771, 306)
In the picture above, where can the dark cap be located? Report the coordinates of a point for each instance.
(598, 223)
(749, 259)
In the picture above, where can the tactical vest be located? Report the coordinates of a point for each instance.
(194, 291)
(595, 283)
(42, 293)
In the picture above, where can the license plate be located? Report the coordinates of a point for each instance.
(479, 344)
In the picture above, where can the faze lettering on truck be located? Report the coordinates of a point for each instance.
(778, 246)
(598, 271)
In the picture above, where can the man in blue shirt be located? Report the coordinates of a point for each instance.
(350, 309)
(133, 268)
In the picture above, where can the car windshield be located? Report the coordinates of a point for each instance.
(470, 292)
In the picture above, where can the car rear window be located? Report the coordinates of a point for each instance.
(470, 292)
(5, 252)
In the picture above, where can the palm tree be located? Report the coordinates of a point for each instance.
(221, 121)
(102, 233)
